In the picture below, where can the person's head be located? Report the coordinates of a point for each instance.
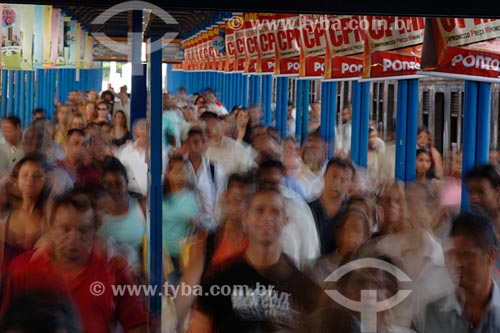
(471, 250)
(90, 111)
(209, 95)
(176, 176)
(367, 204)
(315, 113)
(119, 119)
(77, 120)
(34, 179)
(75, 145)
(139, 132)
(483, 186)
(290, 146)
(189, 113)
(181, 91)
(423, 161)
(290, 108)
(114, 178)
(392, 200)
(38, 114)
(63, 114)
(265, 218)
(270, 173)
(201, 110)
(91, 96)
(267, 148)
(73, 226)
(314, 152)
(107, 95)
(255, 113)
(242, 117)
(423, 137)
(74, 97)
(41, 311)
(338, 179)
(214, 128)
(102, 110)
(35, 140)
(11, 129)
(352, 230)
(196, 141)
(347, 113)
(199, 102)
(372, 138)
(239, 188)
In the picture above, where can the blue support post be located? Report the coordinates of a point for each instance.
(469, 136)
(325, 104)
(411, 130)
(401, 124)
(331, 118)
(299, 110)
(30, 85)
(284, 106)
(483, 123)
(279, 108)
(138, 98)
(5, 85)
(21, 104)
(364, 120)
(156, 218)
(356, 122)
(244, 89)
(305, 115)
(267, 94)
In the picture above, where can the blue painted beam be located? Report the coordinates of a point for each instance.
(483, 123)
(356, 122)
(299, 110)
(284, 105)
(138, 98)
(364, 120)
(411, 130)
(331, 118)
(401, 129)
(305, 115)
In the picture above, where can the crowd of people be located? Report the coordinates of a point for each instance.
(268, 219)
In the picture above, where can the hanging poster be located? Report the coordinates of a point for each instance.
(54, 36)
(11, 36)
(344, 51)
(238, 23)
(27, 14)
(266, 34)
(392, 46)
(230, 43)
(219, 44)
(251, 43)
(38, 28)
(287, 46)
(462, 47)
(60, 42)
(212, 56)
(47, 30)
(312, 45)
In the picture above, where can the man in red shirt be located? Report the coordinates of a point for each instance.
(70, 263)
(82, 175)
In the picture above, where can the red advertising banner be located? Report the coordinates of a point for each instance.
(238, 24)
(287, 45)
(231, 57)
(312, 45)
(266, 35)
(462, 46)
(392, 45)
(344, 51)
(212, 53)
(251, 43)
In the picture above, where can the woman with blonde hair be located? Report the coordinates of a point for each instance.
(119, 133)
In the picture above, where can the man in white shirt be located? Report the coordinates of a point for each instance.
(212, 104)
(209, 178)
(133, 157)
(345, 131)
(11, 151)
(231, 155)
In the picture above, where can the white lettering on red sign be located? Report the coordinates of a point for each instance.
(478, 61)
(400, 65)
(293, 65)
(351, 68)
(319, 66)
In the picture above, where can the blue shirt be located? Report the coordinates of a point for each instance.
(445, 315)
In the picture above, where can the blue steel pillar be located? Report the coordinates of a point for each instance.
(483, 123)
(5, 85)
(305, 114)
(155, 190)
(363, 122)
(282, 106)
(411, 131)
(299, 110)
(139, 90)
(267, 94)
(328, 115)
(401, 128)
(356, 122)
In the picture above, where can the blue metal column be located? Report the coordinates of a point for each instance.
(411, 131)
(30, 87)
(11, 92)
(155, 192)
(483, 123)
(21, 104)
(364, 120)
(138, 98)
(325, 104)
(401, 128)
(299, 110)
(469, 135)
(281, 106)
(267, 95)
(356, 122)
(331, 118)
(305, 115)
(244, 88)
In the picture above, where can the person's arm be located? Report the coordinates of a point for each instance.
(438, 162)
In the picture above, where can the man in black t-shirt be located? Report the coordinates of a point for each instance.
(260, 290)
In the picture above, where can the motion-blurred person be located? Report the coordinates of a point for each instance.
(171, 124)
(119, 133)
(261, 273)
(314, 116)
(103, 112)
(474, 305)
(345, 131)
(123, 103)
(133, 157)
(255, 112)
(300, 237)
(71, 265)
(328, 208)
(90, 112)
(77, 120)
(125, 219)
(424, 139)
(243, 129)
(11, 151)
(230, 154)
(41, 312)
(38, 114)
(212, 104)
(63, 114)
